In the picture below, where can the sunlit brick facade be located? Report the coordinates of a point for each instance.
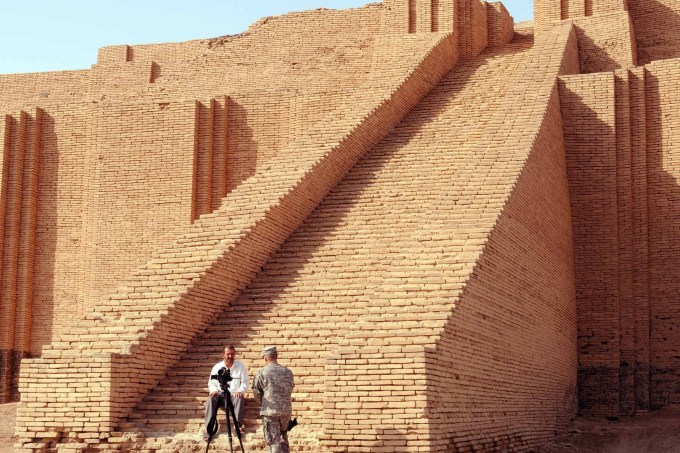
(459, 231)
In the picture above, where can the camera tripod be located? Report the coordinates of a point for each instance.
(213, 426)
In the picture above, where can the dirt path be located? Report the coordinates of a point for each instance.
(7, 417)
(655, 433)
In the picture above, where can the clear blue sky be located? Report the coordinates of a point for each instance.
(55, 35)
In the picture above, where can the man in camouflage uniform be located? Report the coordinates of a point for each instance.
(272, 388)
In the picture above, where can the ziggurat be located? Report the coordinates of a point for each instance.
(461, 232)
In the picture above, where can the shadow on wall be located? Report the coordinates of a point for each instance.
(242, 149)
(656, 24)
(628, 348)
(46, 234)
(510, 343)
(663, 156)
(40, 310)
(590, 145)
(593, 56)
(389, 436)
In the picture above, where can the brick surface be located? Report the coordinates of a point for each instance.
(459, 233)
(261, 212)
(589, 110)
(656, 23)
(619, 151)
(661, 98)
(606, 42)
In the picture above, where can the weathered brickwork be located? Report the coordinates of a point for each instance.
(338, 243)
(656, 23)
(472, 32)
(478, 23)
(90, 114)
(606, 42)
(460, 234)
(612, 141)
(18, 208)
(19, 90)
(530, 155)
(619, 149)
(589, 110)
(194, 253)
(624, 183)
(547, 12)
(499, 25)
(640, 225)
(662, 97)
(419, 16)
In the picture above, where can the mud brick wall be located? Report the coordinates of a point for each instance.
(130, 78)
(472, 27)
(282, 61)
(589, 112)
(500, 25)
(624, 204)
(205, 264)
(606, 42)
(546, 12)
(620, 149)
(662, 108)
(161, 53)
(20, 135)
(656, 23)
(352, 258)
(419, 16)
(58, 274)
(170, 173)
(606, 36)
(133, 147)
(19, 91)
(550, 11)
(468, 17)
(606, 136)
(96, 139)
(431, 288)
(474, 372)
(640, 225)
(305, 52)
(481, 364)
(88, 202)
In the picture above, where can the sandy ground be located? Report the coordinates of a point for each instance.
(658, 432)
(7, 415)
(655, 433)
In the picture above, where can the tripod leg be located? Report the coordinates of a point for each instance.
(227, 407)
(237, 426)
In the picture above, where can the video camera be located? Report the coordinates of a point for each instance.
(223, 376)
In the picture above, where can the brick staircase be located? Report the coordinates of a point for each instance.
(174, 295)
(351, 249)
(314, 289)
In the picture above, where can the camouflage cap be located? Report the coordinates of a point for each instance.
(268, 350)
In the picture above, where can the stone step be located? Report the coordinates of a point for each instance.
(169, 393)
(170, 409)
(182, 398)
